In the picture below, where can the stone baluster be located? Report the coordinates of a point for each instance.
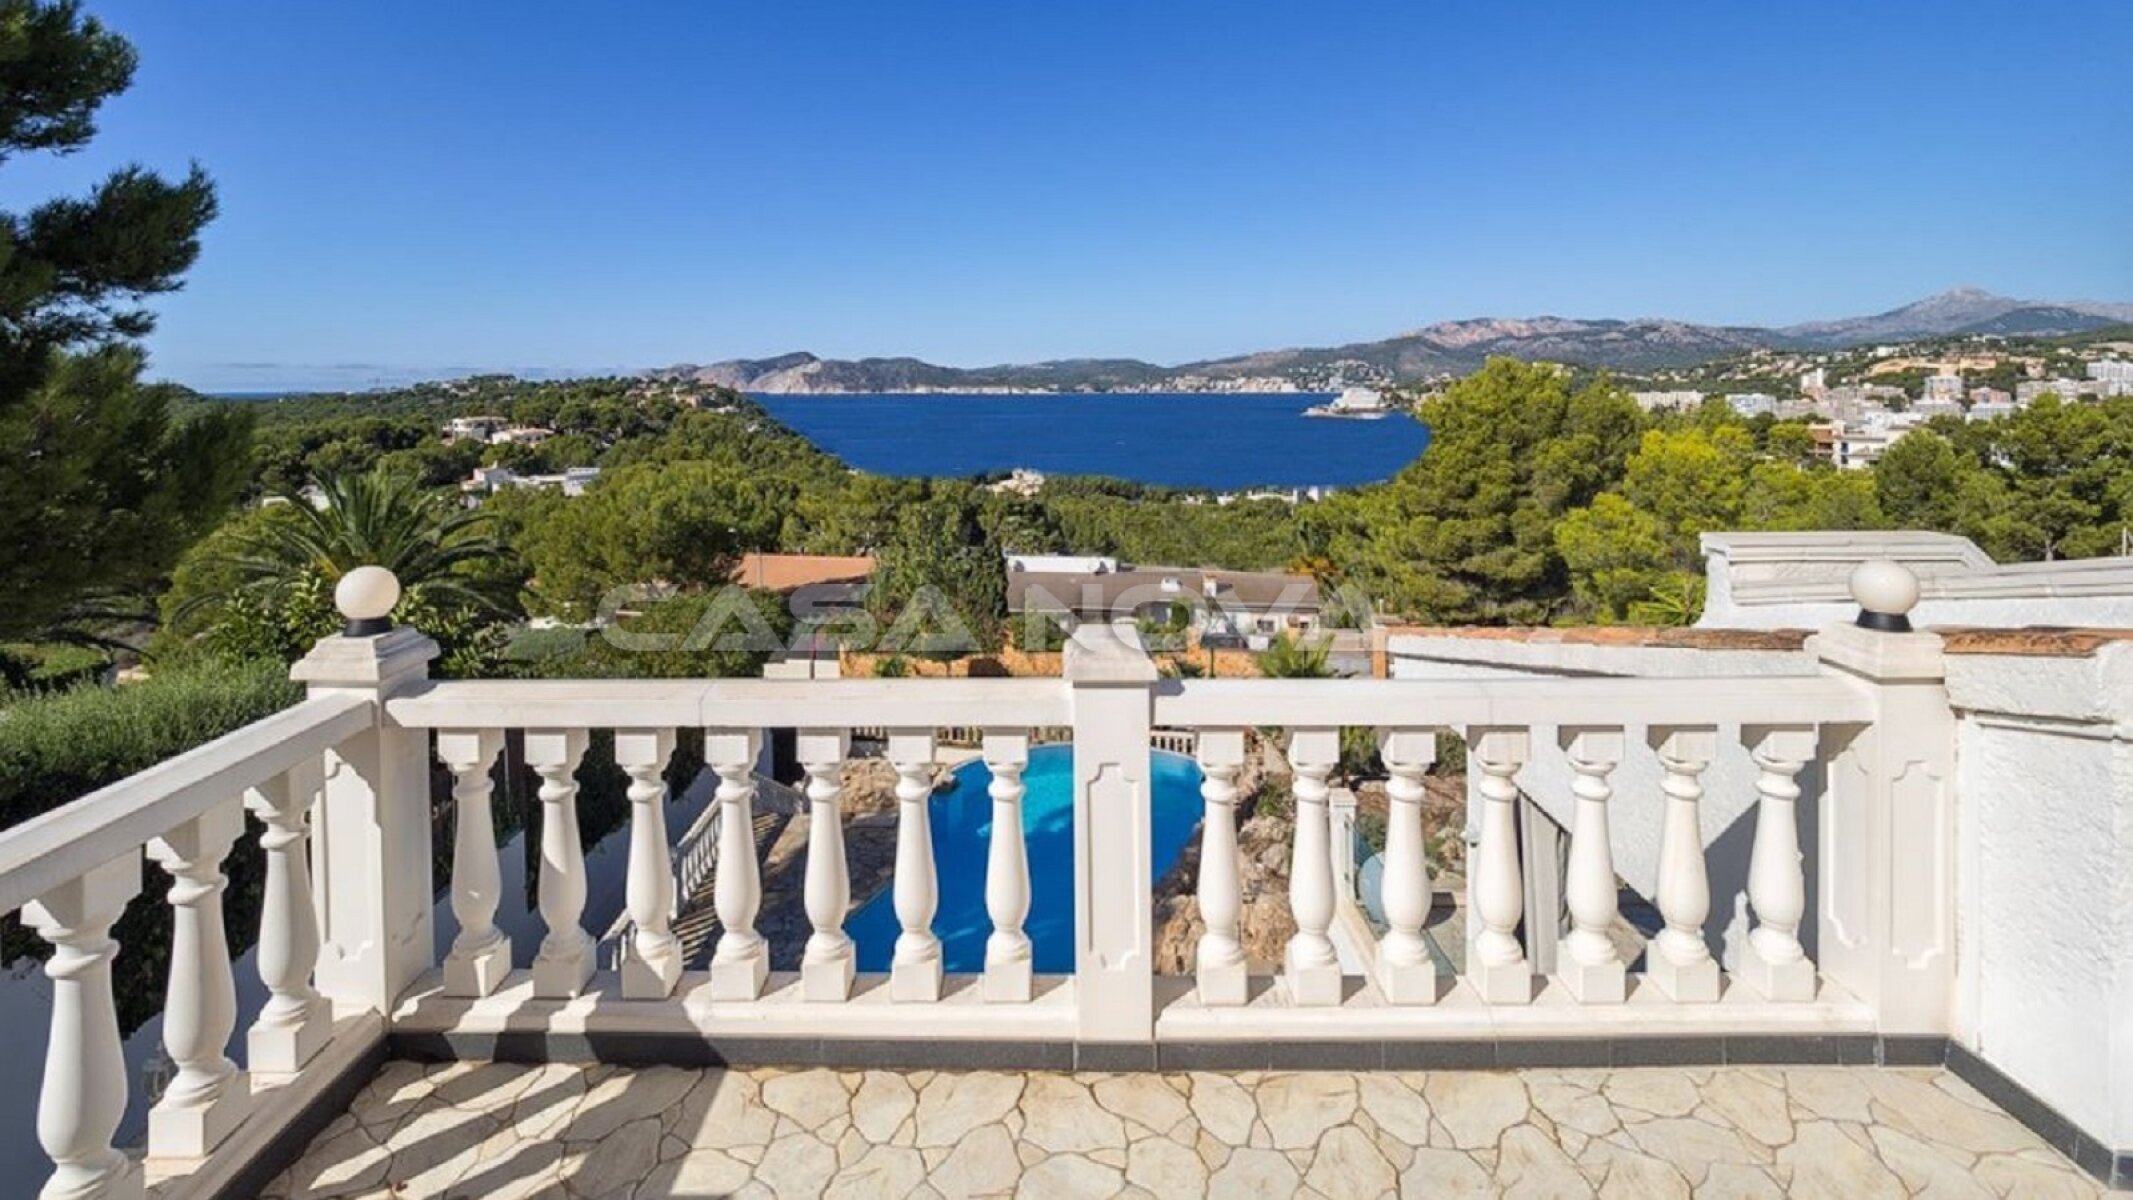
(1406, 973)
(565, 962)
(208, 1096)
(915, 967)
(1587, 963)
(1678, 962)
(1310, 968)
(1495, 960)
(296, 1020)
(826, 966)
(1008, 963)
(741, 961)
(652, 961)
(84, 1091)
(481, 955)
(1218, 963)
(1773, 962)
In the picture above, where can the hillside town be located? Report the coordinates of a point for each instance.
(1854, 422)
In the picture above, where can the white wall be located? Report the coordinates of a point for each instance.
(2044, 770)
(1798, 581)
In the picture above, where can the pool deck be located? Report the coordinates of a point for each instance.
(502, 1131)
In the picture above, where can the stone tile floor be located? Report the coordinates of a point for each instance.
(500, 1131)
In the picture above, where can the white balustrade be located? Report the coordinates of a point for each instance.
(1406, 972)
(1495, 960)
(481, 955)
(1773, 962)
(1218, 961)
(1678, 962)
(208, 1096)
(1310, 968)
(296, 1021)
(84, 1091)
(741, 961)
(1587, 962)
(915, 966)
(652, 965)
(826, 966)
(1008, 954)
(340, 784)
(564, 965)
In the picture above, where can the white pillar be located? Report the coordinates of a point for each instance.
(565, 962)
(1112, 679)
(741, 961)
(208, 1096)
(296, 1020)
(1007, 950)
(1678, 962)
(651, 963)
(1885, 885)
(826, 966)
(1495, 960)
(481, 955)
(1310, 968)
(1586, 961)
(915, 967)
(370, 836)
(1773, 962)
(1406, 973)
(84, 1092)
(1218, 964)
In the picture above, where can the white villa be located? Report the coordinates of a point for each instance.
(1884, 865)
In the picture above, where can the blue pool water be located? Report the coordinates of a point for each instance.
(962, 833)
(1202, 441)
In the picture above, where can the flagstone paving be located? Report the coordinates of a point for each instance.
(590, 1133)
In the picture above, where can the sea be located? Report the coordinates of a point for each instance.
(1220, 441)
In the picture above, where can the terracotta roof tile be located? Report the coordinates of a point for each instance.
(784, 572)
(2037, 641)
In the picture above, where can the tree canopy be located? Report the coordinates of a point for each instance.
(103, 488)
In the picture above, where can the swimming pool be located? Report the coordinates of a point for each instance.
(962, 832)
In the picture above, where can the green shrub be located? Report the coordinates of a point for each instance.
(42, 667)
(58, 747)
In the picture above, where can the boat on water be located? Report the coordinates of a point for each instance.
(1353, 404)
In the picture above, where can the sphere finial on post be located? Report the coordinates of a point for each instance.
(1886, 592)
(366, 596)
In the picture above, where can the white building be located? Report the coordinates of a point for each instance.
(2112, 371)
(521, 435)
(1944, 387)
(1752, 404)
(2027, 392)
(480, 428)
(1062, 564)
(1656, 401)
(572, 481)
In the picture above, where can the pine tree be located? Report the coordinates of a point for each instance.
(100, 487)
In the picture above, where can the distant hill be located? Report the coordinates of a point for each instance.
(1446, 348)
(1963, 310)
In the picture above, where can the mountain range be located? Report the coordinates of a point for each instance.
(1446, 348)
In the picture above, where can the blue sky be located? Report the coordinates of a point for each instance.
(424, 186)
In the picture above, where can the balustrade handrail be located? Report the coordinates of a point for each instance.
(48, 850)
(1417, 703)
(732, 703)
